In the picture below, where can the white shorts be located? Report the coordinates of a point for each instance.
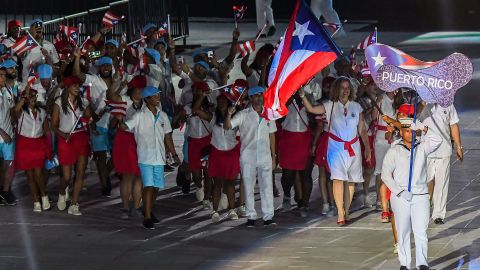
(343, 166)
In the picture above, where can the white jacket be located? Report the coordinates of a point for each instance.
(396, 165)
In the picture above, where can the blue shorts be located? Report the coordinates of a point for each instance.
(152, 175)
(185, 149)
(100, 142)
(7, 150)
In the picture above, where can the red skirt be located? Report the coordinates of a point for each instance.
(31, 153)
(294, 148)
(197, 149)
(224, 164)
(77, 146)
(124, 153)
(371, 164)
(321, 153)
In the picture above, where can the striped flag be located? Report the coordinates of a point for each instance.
(32, 75)
(238, 12)
(116, 107)
(110, 19)
(71, 33)
(369, 40)
(137, 50)
(365, 70)
(246, 47)
(333, 26)
(24, 44)
(163, 30)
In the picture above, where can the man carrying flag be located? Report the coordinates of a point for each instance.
(39, 51)
(306, 49)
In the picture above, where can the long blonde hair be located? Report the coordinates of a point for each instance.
(335, 90)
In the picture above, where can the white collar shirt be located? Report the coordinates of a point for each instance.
(439, 121)
(35, 56)
(254, 136)
(296, 119)
(67, 121)
(150, 134)
(396, 165)
(223, 140)
(98, 91)
(30, 126)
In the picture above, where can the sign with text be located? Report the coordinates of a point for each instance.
(435, 84)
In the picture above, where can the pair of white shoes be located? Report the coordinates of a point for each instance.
(232, 215)
(44, 206)
(73, 209)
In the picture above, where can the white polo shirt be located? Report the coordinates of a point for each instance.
(68, 120)
(31, 126)
(98, 91)
(254, 136)
(35, 56)
(197, 127)
(150, 135)
(296, 119)
(7, 102)
(223, 140)
(396, 165)
(439, 121)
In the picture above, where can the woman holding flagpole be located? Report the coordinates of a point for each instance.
(70, 117)
(343, 153)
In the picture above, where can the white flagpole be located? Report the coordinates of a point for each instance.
(260, 33)
(73, 128)
(334, 33)
(168, 24)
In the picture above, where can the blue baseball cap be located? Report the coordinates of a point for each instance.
(255, 90)
(154, 54)
(45, 71)
(203, 64)
(198, 52)
(148, 26)
(113, 42)
(105, 60)
(35, 21)
(150, 91)
(9, 63)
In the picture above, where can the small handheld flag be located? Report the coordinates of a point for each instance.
(71, 33)
(32, 75)
(246, 47)
(110, 19)
(24, 44)
(116, 107)
(369, 40)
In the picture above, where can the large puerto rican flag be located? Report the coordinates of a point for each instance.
(306, 49)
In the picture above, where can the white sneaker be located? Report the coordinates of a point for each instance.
(37, 207)
(241, 211)
(207, 205)
(200, 194)
(215, 217)
(223, 203)
(395, 248)
(67, 195)
(325, 208)
(367, 202)
(45, 203)
(61, 203)
(232, 215)
(74, 209)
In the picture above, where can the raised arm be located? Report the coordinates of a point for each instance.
(233, 47)
(320, 109)
(247, 71)
(76, 66)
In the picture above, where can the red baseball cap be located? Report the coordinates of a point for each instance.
(14, 23)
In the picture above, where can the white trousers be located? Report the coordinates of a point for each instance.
(412, 216)
(249, 174)
(264, 13)
(439, 168)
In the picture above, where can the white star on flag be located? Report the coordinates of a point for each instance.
(378, 59)
(29, 42)
(301, 30)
